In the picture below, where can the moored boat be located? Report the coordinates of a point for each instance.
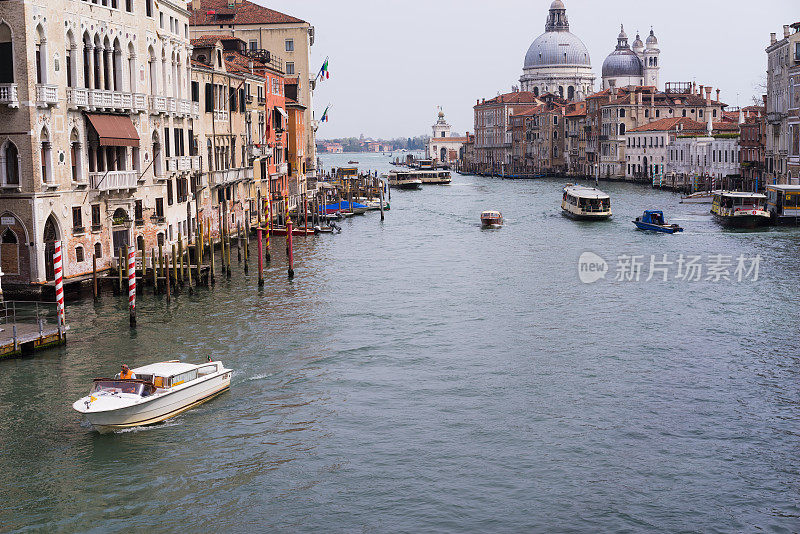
(158, 391)
(740, 209)
(783, 203)
(404, 180)
(585, 203)
(654, 220)
(701, 197)
(434, 177)
(296, 230)
(491, 218)
(343, 206)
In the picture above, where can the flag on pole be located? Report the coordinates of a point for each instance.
(323, 72)
(325, 114)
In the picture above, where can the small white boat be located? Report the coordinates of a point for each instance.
(492, 218)
(701, 197)
(585, 203)
(159, 391)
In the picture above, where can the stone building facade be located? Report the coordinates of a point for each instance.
(442, 146)
(93, 92)
(783, 56)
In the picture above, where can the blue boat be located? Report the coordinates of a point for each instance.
(654, 220)
(340, 206)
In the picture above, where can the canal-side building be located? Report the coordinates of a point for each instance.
(96, 116)
(545, 133)
(752, 147)
(782, 56)
(577, 131)
(295, 153)
(712, 157)
(493, 134)
(793, 112)
(647, 147)
(442, 146)
(271, 32)
(557, 61)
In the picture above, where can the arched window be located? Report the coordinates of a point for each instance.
(621, 129)
(116, 63)
(140, 243)
(10, 164)
(132, 87)
(561, 91)
(622, 112)
(98, 250)
(536, 91)
(158, 163)
(6, 54)
(9, 252)
(71, 60)
(153, 71)
(50, 235)
(45, 157)
(571, 92)
(79, 255)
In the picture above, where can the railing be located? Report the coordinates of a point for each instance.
(774, 117)
(220, 115)
(196, 109)
(46, 94)
(114, 180)
(83, 98)
(14, 313)
(8, 95)
(232, 175)
(158, 104)
(195, 163)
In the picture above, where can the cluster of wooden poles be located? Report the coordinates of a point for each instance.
(176, 267)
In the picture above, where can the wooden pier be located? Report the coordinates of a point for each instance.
(26, 327)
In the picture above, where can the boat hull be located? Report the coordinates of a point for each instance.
(295, 231)
(159, 407)
(586, 216)
(408, 185)
(667, 229)
(744, 221)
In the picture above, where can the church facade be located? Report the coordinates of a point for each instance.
(637, 66)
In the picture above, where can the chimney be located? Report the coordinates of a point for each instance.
(786, 31)
(773, 38)
(718, 95)
(701, 90)
(708, 96)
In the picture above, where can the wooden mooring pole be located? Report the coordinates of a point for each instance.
(260, 258)
(94, 276)
(289, 247)
(167, 278)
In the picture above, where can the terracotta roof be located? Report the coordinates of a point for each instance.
(211, 39)
(517, 97)
(239, 63)
(450, 139)
(293, 81)
(243, 13)
(527, 111)
(669, 124)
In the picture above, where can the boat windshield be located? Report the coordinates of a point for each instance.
(122, 386)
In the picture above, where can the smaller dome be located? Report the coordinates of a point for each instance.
(622, 34)
(623, 62)
(651, 40)
(557, 4)
(638, 44)
(441, 114)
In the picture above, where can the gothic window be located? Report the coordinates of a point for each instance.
(9, 252)
(98, 250)
(621, 129)
(6, 55)
(45, 157)
(10, 167)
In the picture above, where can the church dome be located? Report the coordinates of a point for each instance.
(557, 49)
(623, 62)
(557, 4)
(651, 39)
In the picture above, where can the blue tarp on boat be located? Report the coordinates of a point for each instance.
(339, 206)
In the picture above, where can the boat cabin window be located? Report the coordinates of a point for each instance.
(122, 386)
(206, 370)
(182, 378)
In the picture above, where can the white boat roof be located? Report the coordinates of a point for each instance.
(784, 187)
(739, 194)
(490, 212)
(585, 192)
(164, 368)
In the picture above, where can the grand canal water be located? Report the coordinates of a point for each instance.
(427, 375)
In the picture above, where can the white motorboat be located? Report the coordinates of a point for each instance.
(404, 180)
(585, 203)
(701, 197)
(159, 391)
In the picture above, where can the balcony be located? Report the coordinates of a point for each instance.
(91, 99)
(229, 176)
(114, 180)
(8, 95)
(220, 115)
(46, 95)
(775, 117)
(195, 163)
(158, 105)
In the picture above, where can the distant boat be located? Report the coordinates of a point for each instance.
(491, 218)
(654, 221)
(586, 203)
(352, 163)
(701, 197)
(404, 180)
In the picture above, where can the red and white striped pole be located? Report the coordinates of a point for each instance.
(59, 273)
(132, 285)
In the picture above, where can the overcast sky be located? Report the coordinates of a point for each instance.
(392, 62)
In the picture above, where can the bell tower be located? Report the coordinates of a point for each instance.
(651, 60)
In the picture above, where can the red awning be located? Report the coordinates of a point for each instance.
(114, 130)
